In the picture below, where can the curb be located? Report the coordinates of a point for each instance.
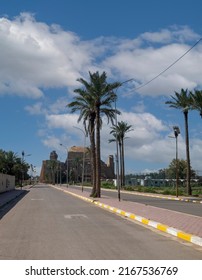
(170, 230)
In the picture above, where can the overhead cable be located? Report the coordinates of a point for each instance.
(162, 72)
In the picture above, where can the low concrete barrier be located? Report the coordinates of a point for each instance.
(7, 182)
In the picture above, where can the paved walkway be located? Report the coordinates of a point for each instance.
(184, 226)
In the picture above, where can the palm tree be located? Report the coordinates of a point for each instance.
(182, 101)
(104, 97)
(95, 101)
(83, 102)
(197, 101)
(119, 131)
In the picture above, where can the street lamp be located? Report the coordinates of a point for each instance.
(67, 163)
(84, 146)
(117, 157)
(117, 144)
(176, 131)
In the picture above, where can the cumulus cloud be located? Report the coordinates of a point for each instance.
(165, 36)
(64, 121)
(36, 109)
(146, 130)
(52, 142)
(44, 108)
(144, 64)
(35, 56)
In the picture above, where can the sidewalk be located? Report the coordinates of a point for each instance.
(181, 225)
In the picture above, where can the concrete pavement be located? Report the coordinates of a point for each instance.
(185, 226)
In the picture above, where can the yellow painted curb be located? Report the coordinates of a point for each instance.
(184, 236)
(162, 227)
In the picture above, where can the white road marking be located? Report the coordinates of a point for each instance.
(70, 216)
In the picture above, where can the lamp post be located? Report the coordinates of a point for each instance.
(176, 133)
(83, 165)
(117, 157)
(117, 145)
(67, 165)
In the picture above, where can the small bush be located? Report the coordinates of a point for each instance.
(107, 185)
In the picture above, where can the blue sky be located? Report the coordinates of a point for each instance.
(46, 45)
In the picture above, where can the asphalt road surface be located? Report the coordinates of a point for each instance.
(49, 224)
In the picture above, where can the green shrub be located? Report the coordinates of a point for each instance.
(107, 185)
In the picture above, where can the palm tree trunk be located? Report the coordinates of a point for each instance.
(98, 165)
(93, 158)
(121, 165)
(189, 191)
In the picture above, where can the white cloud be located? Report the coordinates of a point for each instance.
(146, 64)
(141, 141)
(52, 142)
(196, 154)
(48, 107)
(36, 109)
(64, 121)
(165, 36)
(34, 56)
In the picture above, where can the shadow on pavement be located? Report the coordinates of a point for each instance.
(11, 203)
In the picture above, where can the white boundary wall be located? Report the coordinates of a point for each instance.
(7, 182)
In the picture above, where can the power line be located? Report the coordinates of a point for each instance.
(141, 86)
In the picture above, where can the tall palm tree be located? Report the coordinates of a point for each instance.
(182, 101)
(104, 96)
(94, 101)
(197, 101)
(119, 132)
(83, 102)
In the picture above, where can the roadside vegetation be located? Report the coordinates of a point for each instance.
(12, 164)
(165, 190)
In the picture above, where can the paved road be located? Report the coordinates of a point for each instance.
(49, 224)
(179, 206)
